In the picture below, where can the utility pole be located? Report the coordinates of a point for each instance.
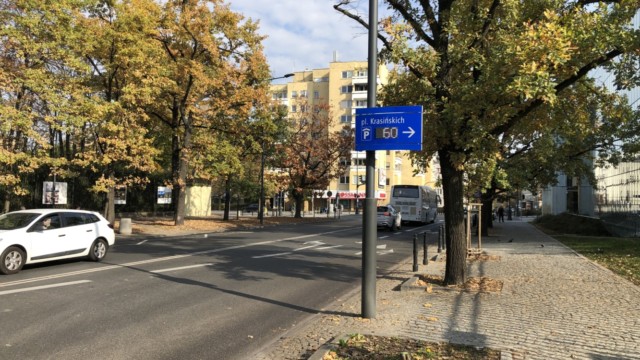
(370, 230)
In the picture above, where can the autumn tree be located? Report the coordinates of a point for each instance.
(234, 155)
(71, 89)
(311, 153)
(483, 70)
(43, 99)
(590, 127)
(117, 142)
(213, 72)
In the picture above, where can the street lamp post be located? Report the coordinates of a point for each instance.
(261, 210)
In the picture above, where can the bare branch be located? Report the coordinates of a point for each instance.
(415, 23)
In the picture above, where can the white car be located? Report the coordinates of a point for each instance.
(389, 217)
(39, 235)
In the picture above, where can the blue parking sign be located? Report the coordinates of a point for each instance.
(389, 128)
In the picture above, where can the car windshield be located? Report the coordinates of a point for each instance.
(13, 221)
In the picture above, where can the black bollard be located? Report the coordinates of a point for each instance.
(425, 260)
(415, 253)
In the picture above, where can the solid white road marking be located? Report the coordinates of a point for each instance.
(329, 247)
(142, 242)
(271, 255)
(6, 292)
(180, 268)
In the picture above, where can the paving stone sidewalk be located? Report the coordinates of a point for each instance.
(554, 304)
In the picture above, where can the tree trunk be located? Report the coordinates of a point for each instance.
(487, 211)
(452, 179)
(7, 203)
(110, 208)
(227, 198)
(299, 201)
(180, 173)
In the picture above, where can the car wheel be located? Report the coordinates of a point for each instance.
(12, 260)
(98, 250)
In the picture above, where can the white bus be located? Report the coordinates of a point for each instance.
(416, 203)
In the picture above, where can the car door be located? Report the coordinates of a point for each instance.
(48, 242)
(80, 231)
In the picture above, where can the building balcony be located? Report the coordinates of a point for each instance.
(359, 79)
(359, 95)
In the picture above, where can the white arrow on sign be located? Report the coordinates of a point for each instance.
(410, 132)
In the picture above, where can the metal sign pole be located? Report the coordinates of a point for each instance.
(369, 226)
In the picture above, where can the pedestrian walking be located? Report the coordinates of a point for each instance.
(500, 214)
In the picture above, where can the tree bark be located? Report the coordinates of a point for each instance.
(454, 220)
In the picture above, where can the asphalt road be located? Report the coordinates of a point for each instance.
(221, 296)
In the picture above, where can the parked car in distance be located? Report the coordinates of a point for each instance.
(251, 208)
(39, 235)
(389, 217)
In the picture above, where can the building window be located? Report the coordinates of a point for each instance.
(360, 87)
(347, 74)
(361, 73)
(346, 104)
(294, 108)
(316, 94)
(303, 93)
(345, 118)
(358, 179)
(344, 179)
(294, 94)
(359, 162)
(345, 162)
(279, 95)
(346, 89)
(361, 103)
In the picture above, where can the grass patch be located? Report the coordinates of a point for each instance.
(588, 237)
(620, 255)
(572, 224)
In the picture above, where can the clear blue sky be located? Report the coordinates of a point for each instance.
(303, 34)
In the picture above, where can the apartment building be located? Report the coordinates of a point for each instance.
(344, 85)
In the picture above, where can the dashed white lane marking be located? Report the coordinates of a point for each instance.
(314, 244)
(34, 288)
(166, 258)
(141, 242)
